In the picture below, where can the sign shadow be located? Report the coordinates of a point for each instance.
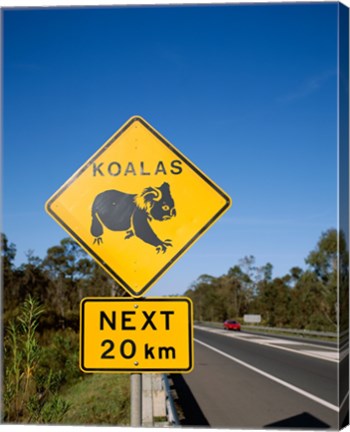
(190, 413)
(304, 420)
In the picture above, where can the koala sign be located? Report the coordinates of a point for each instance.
(137, 205)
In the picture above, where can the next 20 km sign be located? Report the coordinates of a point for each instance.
(133, 335)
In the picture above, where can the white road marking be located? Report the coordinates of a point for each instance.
(272, 378)
(329, 354)
(326, 355)
(283, 341)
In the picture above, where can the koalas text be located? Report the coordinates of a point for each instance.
(141, 168)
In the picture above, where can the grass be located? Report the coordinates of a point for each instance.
(99, 399)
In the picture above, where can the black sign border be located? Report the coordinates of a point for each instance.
(115, 276)
(129, 300)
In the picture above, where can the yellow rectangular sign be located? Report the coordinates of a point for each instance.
(119, 334)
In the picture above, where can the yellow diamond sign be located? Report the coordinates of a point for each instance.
(140, 335)
(137, 205)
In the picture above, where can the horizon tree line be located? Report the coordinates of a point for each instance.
(303, 299)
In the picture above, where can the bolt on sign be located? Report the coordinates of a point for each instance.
(137, 205)
(119, 334)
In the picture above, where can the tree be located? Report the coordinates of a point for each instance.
(9, 277)
(308, 304)
(68, 267)
(74, 276)
(201, 292)
(33, 280)
(273, 302)
(323, 260)
(239, 293)
(101, 284)
(343, 298)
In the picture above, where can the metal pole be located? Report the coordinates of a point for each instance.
(136, 399)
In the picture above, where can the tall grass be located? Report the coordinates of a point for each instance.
(27, 397)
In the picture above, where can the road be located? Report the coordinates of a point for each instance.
(248, 381)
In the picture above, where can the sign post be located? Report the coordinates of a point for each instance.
(136, 206)
(136, 400)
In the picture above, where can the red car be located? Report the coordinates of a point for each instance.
(232, 325)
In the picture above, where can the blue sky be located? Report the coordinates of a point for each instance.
(248, 93)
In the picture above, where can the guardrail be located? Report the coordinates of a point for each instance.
(275, 329)
(173, 418)
(292, 331)
(158, 408)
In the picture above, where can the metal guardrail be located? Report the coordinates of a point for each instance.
(158, 407)
(173, 418)
(292, 331)
(272, 329)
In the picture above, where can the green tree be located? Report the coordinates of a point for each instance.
(323, 261)
(201, 292)
(239, 293)
(74, 276)
(273, 302)
(33, 280)
(68, 267)
(101, 284)
(308, 304)
(9, 276)
(324, 258)
(343, 298)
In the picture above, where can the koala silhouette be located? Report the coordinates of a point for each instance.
(120, 211)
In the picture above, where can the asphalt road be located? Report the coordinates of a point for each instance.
(247, 382)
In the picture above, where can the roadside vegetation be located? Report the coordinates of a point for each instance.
(302, 299)
(42, 382)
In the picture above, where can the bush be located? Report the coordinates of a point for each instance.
(61, 354)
